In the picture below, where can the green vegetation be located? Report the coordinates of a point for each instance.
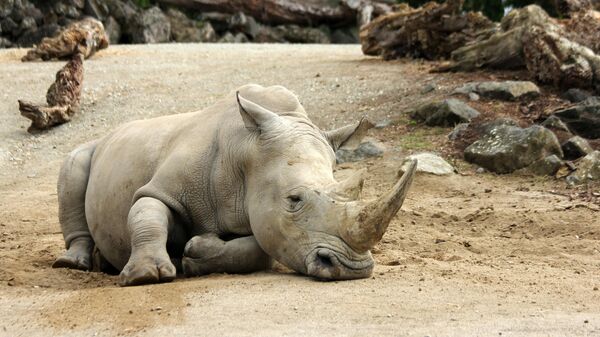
(143, 3)
(495, 9)
(421, 138)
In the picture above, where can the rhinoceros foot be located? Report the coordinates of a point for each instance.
(78, 256)
(146, 269)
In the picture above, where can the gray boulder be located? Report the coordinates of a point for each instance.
(582, 120)
(6, 7)
(448, 112)
(298, 34)
(576, 147)
(113, 30)
(242, 23)
(184, 29)
(555, 123)
(588, 169)
(429, 163)
(505, 148)
(152, 26)
(547, 166)
(367, 149)
(508, 90)
(230, 38)
(575, 95)
(458, 130)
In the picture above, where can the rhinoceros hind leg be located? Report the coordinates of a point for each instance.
(149, 222)
(72, 186)
(78, 256)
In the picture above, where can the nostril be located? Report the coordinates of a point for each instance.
(325, 261)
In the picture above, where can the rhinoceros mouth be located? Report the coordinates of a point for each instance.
(329, 264)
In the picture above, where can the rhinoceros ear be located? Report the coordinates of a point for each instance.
(254, 115)
(349, 135)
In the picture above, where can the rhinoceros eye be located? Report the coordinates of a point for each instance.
(294, 202)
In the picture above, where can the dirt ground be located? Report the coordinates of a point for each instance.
(469, 255)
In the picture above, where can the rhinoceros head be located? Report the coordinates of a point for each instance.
(299, 214)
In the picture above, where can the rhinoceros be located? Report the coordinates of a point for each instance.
(226, 189)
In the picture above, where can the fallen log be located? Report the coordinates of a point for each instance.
(432, 31)
(62, 97)
(306, 12)
(86, 36)
(529, 38)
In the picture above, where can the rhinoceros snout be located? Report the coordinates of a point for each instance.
(327, 264)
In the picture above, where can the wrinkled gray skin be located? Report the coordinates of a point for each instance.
(221, 190)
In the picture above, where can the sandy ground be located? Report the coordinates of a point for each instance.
(469, 255)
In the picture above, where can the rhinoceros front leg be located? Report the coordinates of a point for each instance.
(207, 253)
(148, 221)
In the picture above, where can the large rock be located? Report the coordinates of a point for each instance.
(583, 119)
(6, 7)
(547, 166)
(555, 123)
(588, 169)
(298, 34)
(183, 29)
(242, 23)
(505, 148)
(366, 149)
(508, 90)
(458, 131)
(576, 147)
(152, 26)
(575, 95)
(113, 30)
(429, 163)
(448, 112)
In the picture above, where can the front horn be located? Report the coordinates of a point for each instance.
(373, 219)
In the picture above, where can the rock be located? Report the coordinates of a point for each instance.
(297, 34)
(582, 120)
(547, 166)
(473, 96)
(348, 35)
(28, 23)
(152, 26)
(458, 131)
(207, 33)
(97, 9)
(29, 38)
(6, 7)
(505, 148)
(219, 21)
(366, 149)
(430, 163)
(503, 121)
(241, 23)
(508, 90)
(113, 30)
(230, 38)
(555, 123)
(575, 95)
(5, 43)
(9, 26)
(588, 169)
(428, 88)
(448, 112)
(183, 29)
(576, 147)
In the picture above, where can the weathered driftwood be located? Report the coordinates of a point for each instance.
(584, 28)
(63, 97)
(302, 12)
(529, 38)
(432, 31)
(86, 36)
(552, 58)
